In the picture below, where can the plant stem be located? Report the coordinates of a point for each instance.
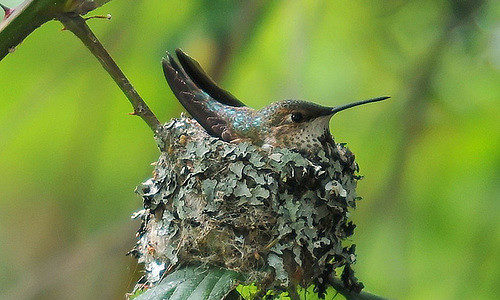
(349, 295)
(78, 27)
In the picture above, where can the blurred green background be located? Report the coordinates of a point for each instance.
(70, 156)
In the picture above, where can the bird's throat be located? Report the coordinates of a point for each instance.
(309, 136)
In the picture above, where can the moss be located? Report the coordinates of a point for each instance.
(275, 215)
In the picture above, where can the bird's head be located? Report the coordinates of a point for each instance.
(300, 124)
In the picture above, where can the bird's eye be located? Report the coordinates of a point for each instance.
(297, 117)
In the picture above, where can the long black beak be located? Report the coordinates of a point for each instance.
(336, 109)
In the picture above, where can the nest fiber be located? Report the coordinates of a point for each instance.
(275, 215)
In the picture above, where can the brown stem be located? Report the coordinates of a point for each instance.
(350, 295)
(78, 27)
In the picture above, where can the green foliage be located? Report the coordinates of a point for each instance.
(192, 283)
(249, 292)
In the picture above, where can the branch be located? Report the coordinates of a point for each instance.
(23, 20)
(350, 295)
(76, 24)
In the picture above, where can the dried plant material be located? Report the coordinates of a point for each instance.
(275, 215)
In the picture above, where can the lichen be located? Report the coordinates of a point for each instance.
(276, 215)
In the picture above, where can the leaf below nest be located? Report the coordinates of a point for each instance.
(211, 283)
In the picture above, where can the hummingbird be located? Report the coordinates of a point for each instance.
(293, 124)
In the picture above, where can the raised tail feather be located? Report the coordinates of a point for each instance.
(194, 98)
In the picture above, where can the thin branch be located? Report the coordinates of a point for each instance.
(22, 20)
(78, 27)
(350, 295)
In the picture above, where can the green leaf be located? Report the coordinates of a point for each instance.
(31, 14)
(194, 283)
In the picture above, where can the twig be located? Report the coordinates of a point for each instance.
(78, 27)
(349, 295)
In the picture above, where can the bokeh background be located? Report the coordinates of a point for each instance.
(70, 156)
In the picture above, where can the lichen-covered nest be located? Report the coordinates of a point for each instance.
(275, 215)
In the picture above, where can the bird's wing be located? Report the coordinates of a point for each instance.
(204, 82)
(194, 100)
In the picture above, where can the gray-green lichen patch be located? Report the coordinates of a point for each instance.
(275, 215)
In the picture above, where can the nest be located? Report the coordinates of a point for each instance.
(275, 215)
